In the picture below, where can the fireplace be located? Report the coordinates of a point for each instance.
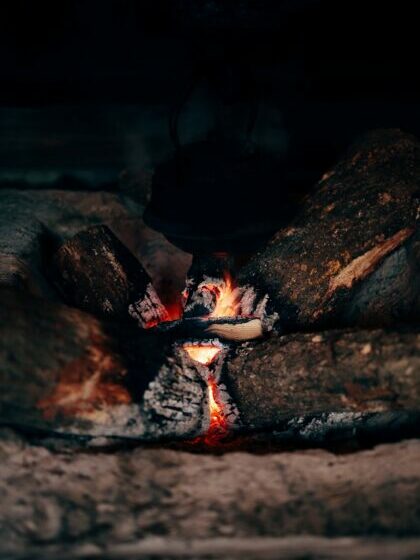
(209, 282)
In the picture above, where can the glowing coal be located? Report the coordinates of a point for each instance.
(203, 353)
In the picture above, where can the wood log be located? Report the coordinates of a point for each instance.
(24, 246)
(332, 372)
(294, 547)
(351, 257)
(64, 371)
(95, 272)
(61, 495)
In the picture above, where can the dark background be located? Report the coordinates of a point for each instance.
(88, 86)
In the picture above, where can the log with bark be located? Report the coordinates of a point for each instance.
(95, 272)
(351, 257)
(99, 504)
(63, 370)
(24, 246)
(288, 380)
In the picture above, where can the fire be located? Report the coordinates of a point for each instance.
(218, 424)
(203, 353)
(228, 298)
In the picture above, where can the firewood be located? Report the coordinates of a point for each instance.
(24, 245)
(351, 257)
(334, 371)
(64, 371)
(63, 502)
(95, 272)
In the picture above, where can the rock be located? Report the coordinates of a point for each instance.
(351, 257)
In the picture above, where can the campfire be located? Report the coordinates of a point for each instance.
(232, 351)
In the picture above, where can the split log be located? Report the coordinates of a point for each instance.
(351, 257)
(226, 328)
(300, 375)
(95, 272)
(59, 497)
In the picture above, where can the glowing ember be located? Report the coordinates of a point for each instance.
(218, 424)
(170, 312)
(228, 298)
(203, 353)
(86, 387)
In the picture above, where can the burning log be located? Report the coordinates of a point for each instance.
(351, 256)
(305, 375)
(96, 379)
(97, 273)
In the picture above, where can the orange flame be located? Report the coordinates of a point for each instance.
(218, 424)
(227, 295)
(203, 353)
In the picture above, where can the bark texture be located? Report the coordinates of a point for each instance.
(52, 494)
(27, 217)
(335, 371)
(351, 255)
(97, 273)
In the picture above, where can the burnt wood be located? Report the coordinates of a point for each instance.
(64, 371)
(351, 257)
(300, 375)
(95, 272)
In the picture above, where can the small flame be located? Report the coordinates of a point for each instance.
(228, 298)
(218, 424)
(203, 353)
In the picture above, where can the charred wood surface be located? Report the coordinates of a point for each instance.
(24, 242)
(62, 370)
(335, 371)
(351, 257)
(97, 273)
(53, 495)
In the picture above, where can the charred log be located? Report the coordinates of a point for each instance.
(97, 379)
(351, 255)
(97, 273)
(307, 375)
(24, 245)
(64, 371)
